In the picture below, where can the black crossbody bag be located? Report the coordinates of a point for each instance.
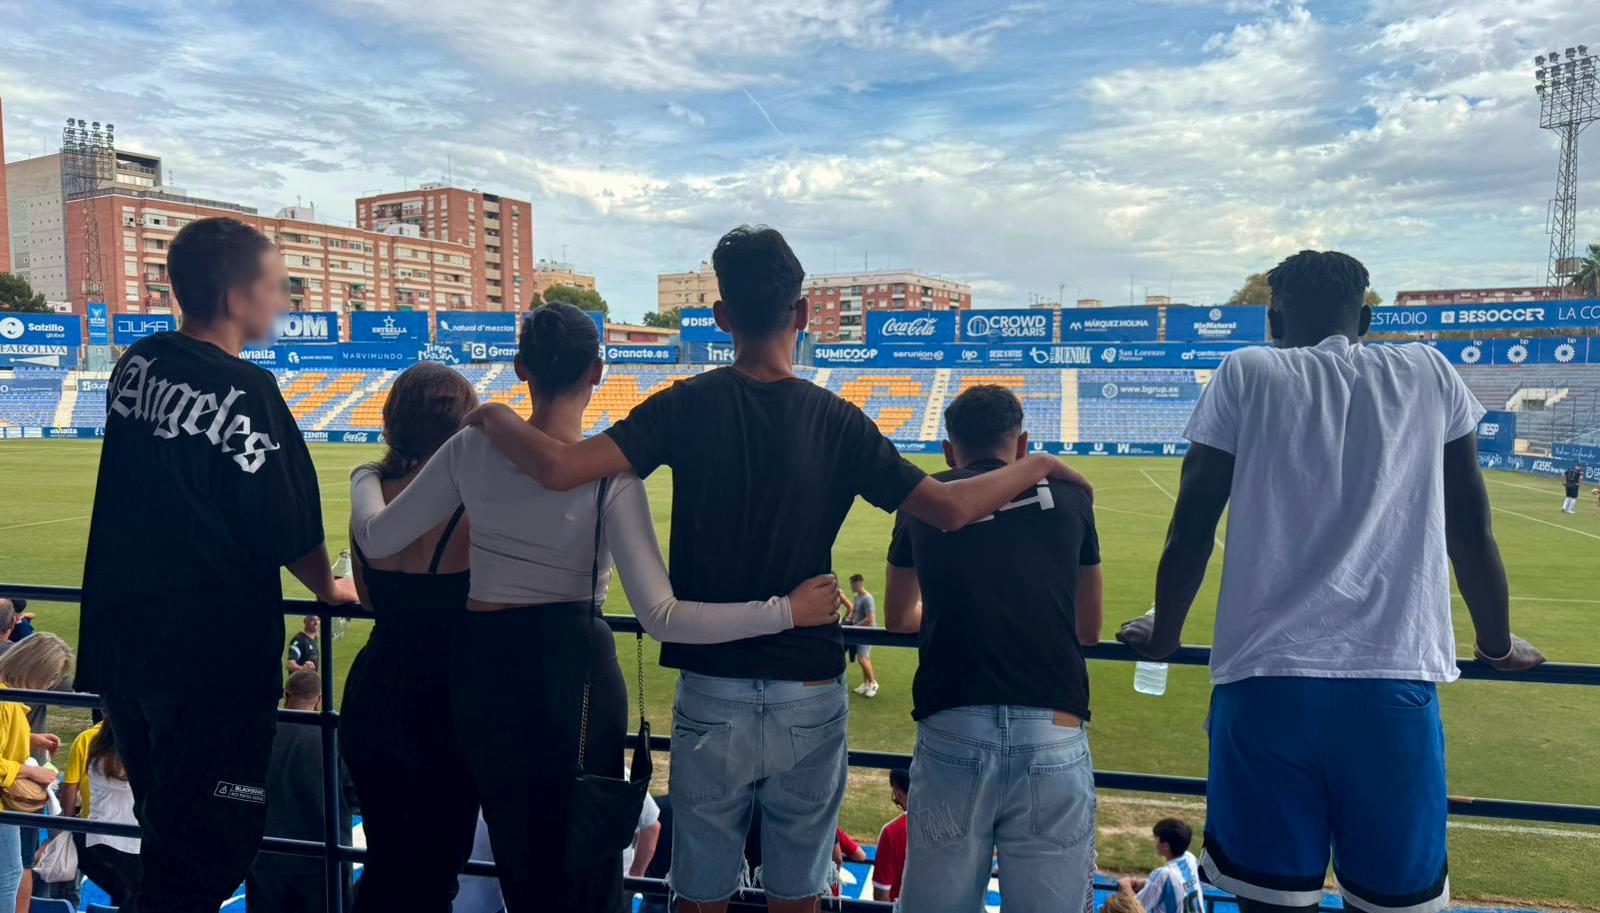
(603, 812)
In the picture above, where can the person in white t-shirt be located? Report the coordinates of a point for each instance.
(1175, 886)
(1351, 474)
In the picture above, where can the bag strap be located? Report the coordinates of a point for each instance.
(594, 608)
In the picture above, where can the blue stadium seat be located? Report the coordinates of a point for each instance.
(50, 905)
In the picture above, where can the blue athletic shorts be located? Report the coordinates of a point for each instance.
(1302, 766)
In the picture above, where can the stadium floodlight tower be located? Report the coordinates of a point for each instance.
(1568, 103)
(88, 163)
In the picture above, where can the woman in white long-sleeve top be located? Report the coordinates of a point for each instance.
(531, 638)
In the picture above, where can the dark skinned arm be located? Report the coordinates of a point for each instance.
(1203, 492)
(1475, 556)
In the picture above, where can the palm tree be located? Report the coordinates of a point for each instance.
(1587, 279)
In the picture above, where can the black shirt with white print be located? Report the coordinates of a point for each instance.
(763, 474)
(999, 601)
(205, 490)
(303, 648)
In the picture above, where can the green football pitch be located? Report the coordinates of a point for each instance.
(1513, 741)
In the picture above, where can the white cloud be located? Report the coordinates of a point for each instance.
(683, 112)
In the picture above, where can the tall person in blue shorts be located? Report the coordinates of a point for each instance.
(1352, 476)
(765, 466)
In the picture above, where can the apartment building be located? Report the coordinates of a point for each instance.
(840, 301)
(1506, 295)
(330, 267)
(694, 289)
(38, 238)
(5, 207)
(552, 272)
(497, 231)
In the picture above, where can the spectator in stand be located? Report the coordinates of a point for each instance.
(661, 862)
(862, 610)
(396, 727)
(279, 882)
(533, 625)
(765, 466)
(10, 617)
(110, 862)
(1175, 886)
(646, 837)
(889, 864)
(1353, 477)
(206, 490)
(303, 646)
(35, 664)
(844, 849)
(22, 622)
(1121, 903)
(1003, 608)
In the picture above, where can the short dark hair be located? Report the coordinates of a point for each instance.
(900, 778)
(856, 577)
(1318, 280)
(759, 278)
(1175, 833)
(303, 685)
(208, 258)
(558, 344)
(982, 417)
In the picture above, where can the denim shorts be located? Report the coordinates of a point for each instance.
(740, 742)
(987, 779)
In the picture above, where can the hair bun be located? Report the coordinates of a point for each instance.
(559, 342)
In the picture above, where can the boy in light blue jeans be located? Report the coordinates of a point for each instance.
(1001, 695)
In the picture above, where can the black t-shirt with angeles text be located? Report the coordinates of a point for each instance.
(763, 474)
(999, 613)
(205, 490)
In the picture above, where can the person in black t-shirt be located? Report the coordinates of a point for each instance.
(279, 882)
(1573, 478)
(1001, 694)
(303, 647)
(765, 467)
(205, 490)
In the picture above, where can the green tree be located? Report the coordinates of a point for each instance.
(1254, 291)
(667, 319)
(1373, 299)
(581, 298)
(1587, 279)
(17, 295)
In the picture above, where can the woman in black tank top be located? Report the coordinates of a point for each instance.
(418, 808)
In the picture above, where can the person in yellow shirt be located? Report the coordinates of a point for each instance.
(75, 779)
(37, 662)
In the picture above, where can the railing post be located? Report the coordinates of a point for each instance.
(332, 806)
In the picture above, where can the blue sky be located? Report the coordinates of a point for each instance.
(1019, 146)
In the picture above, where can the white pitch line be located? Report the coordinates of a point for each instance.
(43, 522)
(1135, 513)
(1543, 491)
(1537, 599)
(1537, 520)
(1163, 490)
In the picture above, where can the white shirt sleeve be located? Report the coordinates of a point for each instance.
(1215, 420)
(1461, 408)
(631, 536)
(382, 530)
(649, 813)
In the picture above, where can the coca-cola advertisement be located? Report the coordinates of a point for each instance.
(918, 328)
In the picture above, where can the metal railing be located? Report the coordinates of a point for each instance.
(335, 854)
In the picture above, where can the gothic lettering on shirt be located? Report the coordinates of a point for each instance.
(170, 408)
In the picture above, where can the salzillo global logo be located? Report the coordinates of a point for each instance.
(10, 328)
(915, 328)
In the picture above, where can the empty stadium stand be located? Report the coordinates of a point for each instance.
(31, 404)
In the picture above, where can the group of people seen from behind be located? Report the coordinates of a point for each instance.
(1352, 467)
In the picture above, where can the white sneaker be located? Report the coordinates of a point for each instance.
(861, 688)
(872, 690)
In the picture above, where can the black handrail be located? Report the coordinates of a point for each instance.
(335, 854)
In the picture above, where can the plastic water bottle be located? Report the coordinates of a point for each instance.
(1150, 678)
(341, 568)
